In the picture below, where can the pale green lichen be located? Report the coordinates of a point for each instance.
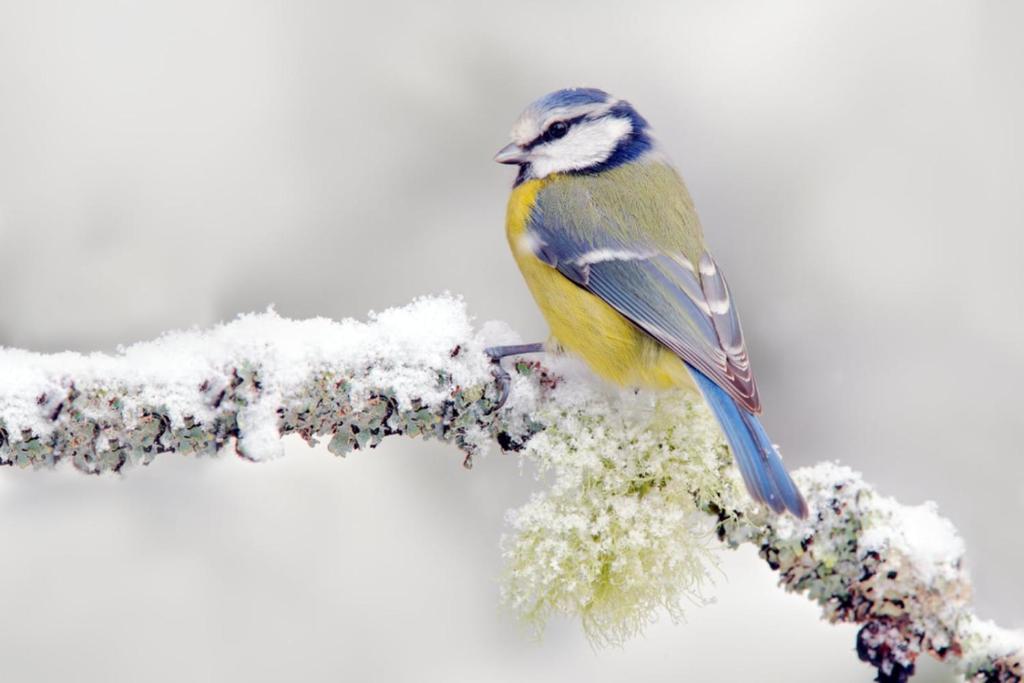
(620, 531)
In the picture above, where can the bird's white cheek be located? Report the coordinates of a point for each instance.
(542, 165)
(586, 145)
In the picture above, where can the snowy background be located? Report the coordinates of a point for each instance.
(858, 171)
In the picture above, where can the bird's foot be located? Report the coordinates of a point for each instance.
(500, 374)
(503, 380)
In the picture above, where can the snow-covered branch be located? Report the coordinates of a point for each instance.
(639, 485)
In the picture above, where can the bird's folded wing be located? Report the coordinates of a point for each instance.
(686, 307)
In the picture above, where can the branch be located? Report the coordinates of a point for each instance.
(639, 483)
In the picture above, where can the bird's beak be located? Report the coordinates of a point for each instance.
(512, 154)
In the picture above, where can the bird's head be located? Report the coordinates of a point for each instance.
(576, 130)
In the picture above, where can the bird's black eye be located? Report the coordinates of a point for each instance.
(558, 129)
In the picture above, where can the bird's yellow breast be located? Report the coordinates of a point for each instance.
(581, 322)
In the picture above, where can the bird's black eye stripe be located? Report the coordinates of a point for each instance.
(555, 130)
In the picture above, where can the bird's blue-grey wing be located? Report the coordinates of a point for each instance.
(685, 306)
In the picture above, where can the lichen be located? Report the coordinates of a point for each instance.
(619, 531)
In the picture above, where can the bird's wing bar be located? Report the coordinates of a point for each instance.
(688, 310)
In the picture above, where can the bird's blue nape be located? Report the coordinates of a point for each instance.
(633, 146)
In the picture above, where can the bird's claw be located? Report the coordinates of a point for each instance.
(503, 379)
(501, 376)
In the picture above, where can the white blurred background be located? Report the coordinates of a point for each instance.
(858, 168)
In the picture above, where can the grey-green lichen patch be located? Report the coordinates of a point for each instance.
(895, 569)
(416, 371)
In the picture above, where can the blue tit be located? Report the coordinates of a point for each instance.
(608, 240)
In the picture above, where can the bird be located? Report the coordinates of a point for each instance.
(605, 233)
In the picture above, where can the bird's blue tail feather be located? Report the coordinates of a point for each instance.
(762, 469)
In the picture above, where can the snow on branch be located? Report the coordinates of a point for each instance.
(640, 490)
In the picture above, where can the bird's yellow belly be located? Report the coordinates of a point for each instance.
(584, 324)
